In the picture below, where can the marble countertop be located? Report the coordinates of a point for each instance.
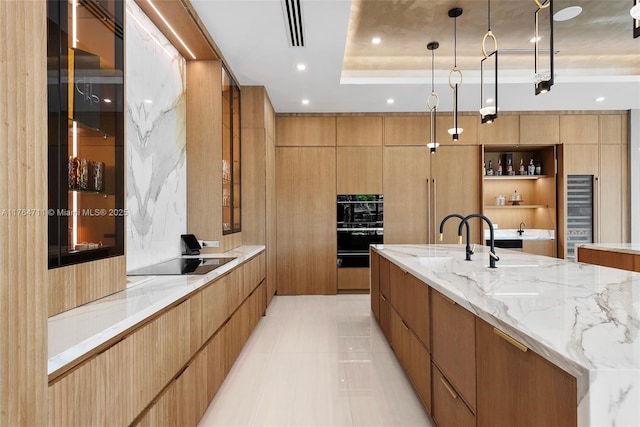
(512, 234)
(627, 248)
(74, 333)
(583, 318)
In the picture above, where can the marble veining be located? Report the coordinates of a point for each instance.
(583, 318)
(76, 332)
(156, 143)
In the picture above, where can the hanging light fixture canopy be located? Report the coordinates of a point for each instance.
(543, 64)
(455, 131)
(489, 75)
(433, 101)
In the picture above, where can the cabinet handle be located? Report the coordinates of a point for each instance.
(446, 298)
(428, 211)
(597, 215)
(404, 324)
(383, 298)
(512, 341)
(449, 388)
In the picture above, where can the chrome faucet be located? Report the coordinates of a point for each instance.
(520, 229)
(469, 250)
(492, 251)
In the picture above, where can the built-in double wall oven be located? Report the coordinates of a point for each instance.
(360, 224)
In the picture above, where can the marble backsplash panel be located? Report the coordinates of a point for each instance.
(156, 175)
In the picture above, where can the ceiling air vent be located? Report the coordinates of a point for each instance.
(293, 15)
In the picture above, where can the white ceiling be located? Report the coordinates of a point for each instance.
(253, 39)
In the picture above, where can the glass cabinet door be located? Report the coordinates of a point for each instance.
(85, 53)
(231, 188)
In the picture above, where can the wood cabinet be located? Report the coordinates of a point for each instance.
(406, 130)
(539, 129)
(168, 369)
(609, 258)
(579, 129)
(518, 387)
(359, 170)
(306, 220)
(613, 201)
(359, 130)
(374, 265)
(448, 409)
(456, 188)
(503, 131)
(297, 131)
(405, 186)
(454, 343)
(353, 280)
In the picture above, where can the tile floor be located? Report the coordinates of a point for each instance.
(317, 361)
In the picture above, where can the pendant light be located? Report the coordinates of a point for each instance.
(489, 75)
(432, 102)
(543, 64)
(455, 131)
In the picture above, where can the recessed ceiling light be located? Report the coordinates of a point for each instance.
(567, 13)
(301, 67)
(600, 99)
(305, 102)
(535, 39)
(148, 101)
(390, 101)
(376, 40)
(107, 100)
(489, 100)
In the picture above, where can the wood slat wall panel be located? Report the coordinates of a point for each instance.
(23, 239)
(78, 284)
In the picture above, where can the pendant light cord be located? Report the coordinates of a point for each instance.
(432, 70)
(455, 42)
(489, 14)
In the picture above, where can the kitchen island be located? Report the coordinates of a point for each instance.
(582, 319)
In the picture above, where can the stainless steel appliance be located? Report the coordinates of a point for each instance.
(359, 224)
(580, 215)
(181, 266)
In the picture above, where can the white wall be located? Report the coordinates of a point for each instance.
(634, 165)
(156, 179)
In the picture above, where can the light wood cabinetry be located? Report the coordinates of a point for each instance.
(539, 129)
(503, 131)
(296, 131)
(359, 170)
(469, 123)
(518, 387)
(306, 220)
(353, 280)
(406, 130)
(614, 129)
(168, 369)
(258, 177)
(579, 129)
(454, 343)
(448, 409)
(456, 189)
(613, 201)
(405, 187)
(359, 130)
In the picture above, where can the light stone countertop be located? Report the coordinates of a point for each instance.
(583, 318)
(512, 234)
(76, 332)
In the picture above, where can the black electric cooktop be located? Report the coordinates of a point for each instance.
(180, 266)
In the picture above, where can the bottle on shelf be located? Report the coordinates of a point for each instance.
(484, 168)
(538, 168)
(522, 169)
(509, 167)
(490, 170)
(499, 167)
(532, 168)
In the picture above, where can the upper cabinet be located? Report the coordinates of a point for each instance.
(539, 129)
(296, 131)
(231, 189)
(505, 130)
(86, 131)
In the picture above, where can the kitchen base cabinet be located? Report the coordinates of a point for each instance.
(385, 317)
(448, 409)
(375, 284)
(167, 370)
(453, 345)
(518, 387)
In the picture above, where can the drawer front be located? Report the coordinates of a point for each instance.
(454, 345)
(448, 409)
